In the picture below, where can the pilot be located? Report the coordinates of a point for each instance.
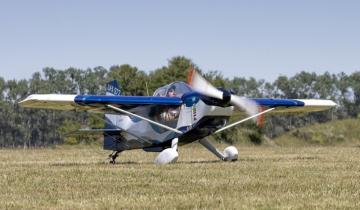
(170, 113)
(171, 92)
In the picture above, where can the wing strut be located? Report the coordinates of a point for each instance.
(143, 118)
(243, 120)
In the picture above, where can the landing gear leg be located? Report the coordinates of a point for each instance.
(230, 153)
(113, 156)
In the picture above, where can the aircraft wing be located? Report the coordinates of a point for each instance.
(93, 102)
(295, 105)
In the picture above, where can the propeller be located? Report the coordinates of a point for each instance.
(199, 84)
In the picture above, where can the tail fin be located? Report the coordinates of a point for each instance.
(110, 139)
(113, 89)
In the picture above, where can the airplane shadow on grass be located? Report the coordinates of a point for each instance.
(297, 158)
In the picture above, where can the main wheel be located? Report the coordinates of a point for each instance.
(169, 155)
(231, 153)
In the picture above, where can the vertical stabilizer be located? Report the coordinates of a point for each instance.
(112, 89)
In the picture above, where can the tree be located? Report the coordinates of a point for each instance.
(131, 80)
(176, 70)
(32, 127)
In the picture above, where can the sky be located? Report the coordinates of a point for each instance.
(252, 38)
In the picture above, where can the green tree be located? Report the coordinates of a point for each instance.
(176, 70)
(131, 80)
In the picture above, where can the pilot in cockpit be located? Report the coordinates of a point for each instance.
(175, 89)
(170, 113)
(171, 92)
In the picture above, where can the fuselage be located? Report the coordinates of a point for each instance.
(197, 118)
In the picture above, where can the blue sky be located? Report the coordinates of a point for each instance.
(262, 39)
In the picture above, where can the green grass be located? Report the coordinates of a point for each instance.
(337, 132)
(263, 178)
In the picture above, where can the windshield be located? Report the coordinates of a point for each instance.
(175, 89)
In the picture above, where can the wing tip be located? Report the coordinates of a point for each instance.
(318, 102)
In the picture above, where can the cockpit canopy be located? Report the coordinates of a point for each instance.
(178, 87)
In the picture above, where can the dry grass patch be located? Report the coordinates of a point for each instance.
(263, 178)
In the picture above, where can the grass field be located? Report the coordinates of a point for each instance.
(263, 178)
(337, 132)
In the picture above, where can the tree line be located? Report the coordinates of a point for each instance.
(21, 127)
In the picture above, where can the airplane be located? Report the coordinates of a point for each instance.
(177, 114)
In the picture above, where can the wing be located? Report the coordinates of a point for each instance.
(295, 105)
(93, 102)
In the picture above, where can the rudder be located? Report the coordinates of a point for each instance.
(112, 89)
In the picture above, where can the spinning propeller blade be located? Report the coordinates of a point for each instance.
(199, 84)
(248, 105)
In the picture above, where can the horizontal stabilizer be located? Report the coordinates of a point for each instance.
(94, 132)
(98, 130)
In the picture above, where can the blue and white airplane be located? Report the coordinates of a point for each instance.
(176, 114)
